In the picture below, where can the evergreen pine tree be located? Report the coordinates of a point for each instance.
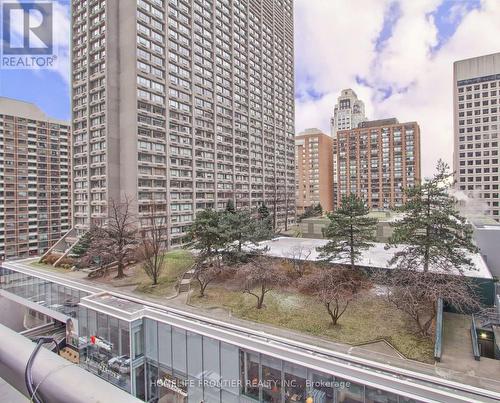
(82, 245)
(349, 232)
(230, 206)
(432, 233)
(263, 211)
(243, 230)
(265, 219)
(207, 233)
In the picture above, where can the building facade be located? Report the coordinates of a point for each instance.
(183, 105)
(476, 104)
(348, 113)
(314, 170)
(34, 179)
(378, 161)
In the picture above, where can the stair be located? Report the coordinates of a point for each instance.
(185, 282)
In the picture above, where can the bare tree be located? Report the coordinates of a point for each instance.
(275, 205)
(335, 288)
(416, 293)
(259, 276)
(299, 258)
(280, 196)
(286, 208)
(152, 247)
(116, 240)
(205, 272)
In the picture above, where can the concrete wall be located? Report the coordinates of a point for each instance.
(488, 241)
(313, 228)
(12, 315)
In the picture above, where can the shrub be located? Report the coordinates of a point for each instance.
(50, 259)
(66, 261)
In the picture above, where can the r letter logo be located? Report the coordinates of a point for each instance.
(27, 35)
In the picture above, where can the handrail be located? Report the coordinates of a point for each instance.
(438, 342)
(475, 343)
(55, 379)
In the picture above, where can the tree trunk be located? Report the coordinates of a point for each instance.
(202, 291)
(332, 315)
(286, 209)
(120, 273)
(275, 218)
(260, 300)
(427, 235)
(427, 325)
(351, 239)
(202, 287)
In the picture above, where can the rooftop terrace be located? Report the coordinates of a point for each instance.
(376, 256)
(378, 358)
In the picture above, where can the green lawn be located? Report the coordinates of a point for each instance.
(368, 319)
(177, 263)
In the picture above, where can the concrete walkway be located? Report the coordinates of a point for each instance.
(457, 357)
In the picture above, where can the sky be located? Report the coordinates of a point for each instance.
(396, 54)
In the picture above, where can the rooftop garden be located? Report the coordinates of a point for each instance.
(344, 302)
(177, 262)
(367, 319)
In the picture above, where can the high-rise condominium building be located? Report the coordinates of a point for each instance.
(378, 161)
(34, 179)
(182, 104)
(476, 114)
(348, 113)
(314, 170)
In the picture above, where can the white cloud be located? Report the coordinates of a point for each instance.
(335, 43)
(62, 34)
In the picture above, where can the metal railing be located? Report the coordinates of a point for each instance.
(475, 343)
(54, 379)
(438, 343)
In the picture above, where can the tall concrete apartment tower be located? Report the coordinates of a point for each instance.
(182, 104)
(34, 179)
(314, 170)
(476, 101)
(348, 113)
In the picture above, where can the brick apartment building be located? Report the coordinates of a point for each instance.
(314, 170)
(377, 161)
(34, 179)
